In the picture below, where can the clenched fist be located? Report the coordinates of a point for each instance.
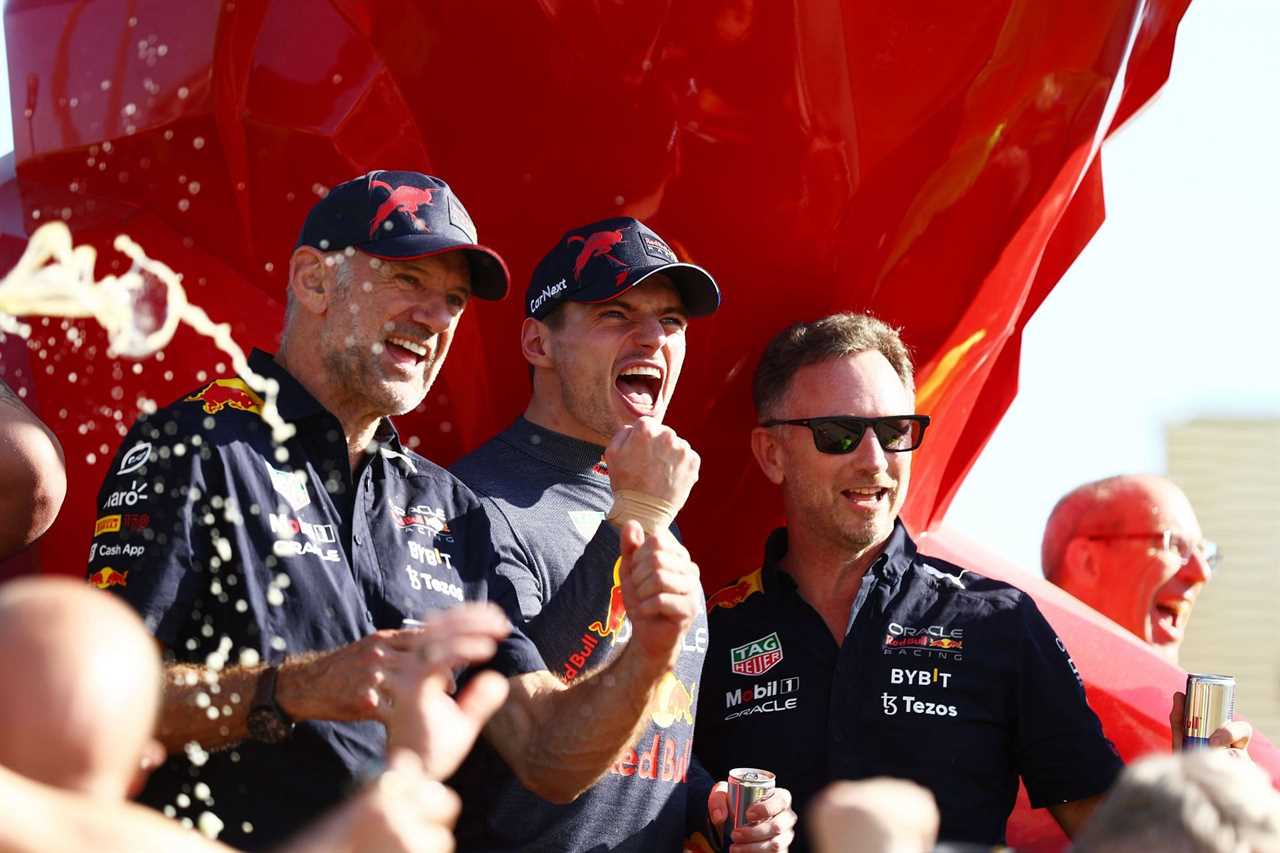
(650, 459)
(661, 590)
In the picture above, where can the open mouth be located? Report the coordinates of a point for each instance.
(866, 496)
(1170, 618)
(407, 348)
(640, 385)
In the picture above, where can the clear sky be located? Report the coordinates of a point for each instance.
(1172, 312)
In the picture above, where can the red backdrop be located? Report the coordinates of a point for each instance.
(936, 163)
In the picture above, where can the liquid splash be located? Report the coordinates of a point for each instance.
(55, 279)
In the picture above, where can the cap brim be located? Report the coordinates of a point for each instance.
(698, 290)
(490, 278)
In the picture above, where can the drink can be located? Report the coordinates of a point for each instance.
(747, 786)
(1211, 702)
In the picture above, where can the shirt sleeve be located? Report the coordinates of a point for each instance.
(526, 582)
(516, 653)
(1061, 751)
(572, 628)
(146, 541)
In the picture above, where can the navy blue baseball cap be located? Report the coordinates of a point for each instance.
(601, 261)
(402, 216)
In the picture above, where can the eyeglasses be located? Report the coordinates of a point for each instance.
(1175, 542)
(843, 433)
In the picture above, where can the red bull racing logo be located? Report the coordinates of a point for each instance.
(401, 199)
(615, 617)
(108, 577)
(221, 393)
(929, 641)
(736, 593)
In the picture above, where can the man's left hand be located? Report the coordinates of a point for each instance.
(771, 822)
(1233, 736)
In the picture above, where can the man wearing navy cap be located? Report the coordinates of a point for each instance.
(280, 578)
(590, 473)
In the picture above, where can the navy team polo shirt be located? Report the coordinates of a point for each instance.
(226, 550)
(944, 677)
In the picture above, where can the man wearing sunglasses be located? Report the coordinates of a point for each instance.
(850, 655)
(1131, 548)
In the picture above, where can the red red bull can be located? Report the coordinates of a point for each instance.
(747, 786)
(1211, 702)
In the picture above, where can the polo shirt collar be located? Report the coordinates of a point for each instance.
(557, 449)
(890, 566)
(295, 403)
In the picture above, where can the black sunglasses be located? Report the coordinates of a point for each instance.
(843, 433)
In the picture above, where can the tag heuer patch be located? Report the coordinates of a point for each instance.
(756, 657)
(290, 485)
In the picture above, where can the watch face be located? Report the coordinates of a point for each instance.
(266, 726)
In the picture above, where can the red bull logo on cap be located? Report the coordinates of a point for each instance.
(598, 245)
(616, 616)
(108, 577)
(406, 199)
(737, 592)
(221, 393)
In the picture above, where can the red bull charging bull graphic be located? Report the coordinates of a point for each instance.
(737, 592)
(616, 617)
(221, 393)
(108, 577)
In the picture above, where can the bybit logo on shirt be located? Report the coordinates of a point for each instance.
(920, 677)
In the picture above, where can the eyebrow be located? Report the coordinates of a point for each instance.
(416, 268)
(677, 308)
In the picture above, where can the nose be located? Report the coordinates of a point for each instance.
(650, 333)
(434, 312)
(1196, 570)
(869, 455)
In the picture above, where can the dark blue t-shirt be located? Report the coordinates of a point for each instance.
(227, 550)
(944, 677)
(547, 495)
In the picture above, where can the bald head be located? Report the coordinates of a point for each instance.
(1112, 544)
(80, 680)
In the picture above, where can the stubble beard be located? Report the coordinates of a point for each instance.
(589, 410)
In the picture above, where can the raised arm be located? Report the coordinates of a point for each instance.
(559, 740)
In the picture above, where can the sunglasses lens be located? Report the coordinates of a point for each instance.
(836, 436)
(897, 434)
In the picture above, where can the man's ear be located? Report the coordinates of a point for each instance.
(1081, 568)
(153, 755)
(309, 279)
(535, 343)
(768, 453)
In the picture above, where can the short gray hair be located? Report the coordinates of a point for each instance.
(836, 336)
(1205, 801)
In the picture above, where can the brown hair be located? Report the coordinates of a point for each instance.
(836, 336)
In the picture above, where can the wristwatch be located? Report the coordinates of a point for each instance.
(268, 723)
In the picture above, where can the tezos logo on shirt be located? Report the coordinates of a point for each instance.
(756, 657)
